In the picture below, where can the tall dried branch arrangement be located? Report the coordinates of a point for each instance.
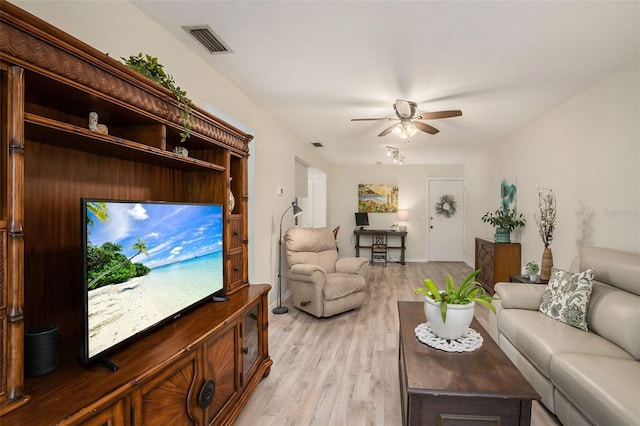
(546, 218)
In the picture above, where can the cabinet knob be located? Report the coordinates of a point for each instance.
(236, 233)
(245, 350)
(236, 269)
(205, 397)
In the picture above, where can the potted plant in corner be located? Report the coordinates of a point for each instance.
(450, 311)
(504, 222)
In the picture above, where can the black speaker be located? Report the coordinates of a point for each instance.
(41, 350)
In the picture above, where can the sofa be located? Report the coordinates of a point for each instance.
(583, 377)
(323, 283)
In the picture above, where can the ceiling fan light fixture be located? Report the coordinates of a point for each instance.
(405, 130)
(410, 129)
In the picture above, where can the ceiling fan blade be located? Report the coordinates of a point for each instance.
(439, 114)
(425, 127)
(374, 119)
(388, 130)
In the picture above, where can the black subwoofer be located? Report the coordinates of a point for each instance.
(41, 350)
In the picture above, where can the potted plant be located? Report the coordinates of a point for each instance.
(148, 66)
(504, 222)
(450, 311)
(533, 269)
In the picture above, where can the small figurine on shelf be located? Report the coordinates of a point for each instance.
(181, 150)
(95, 126)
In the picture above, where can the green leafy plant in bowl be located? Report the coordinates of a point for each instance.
(468, 291)
(533, 267)
(149, 66)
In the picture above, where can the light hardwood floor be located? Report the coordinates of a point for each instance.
(343, 370)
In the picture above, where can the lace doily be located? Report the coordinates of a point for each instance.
(469, 342)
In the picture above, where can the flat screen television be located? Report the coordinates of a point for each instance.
(145, 263)
(362, 219)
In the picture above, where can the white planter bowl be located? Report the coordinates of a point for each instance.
(459, 318)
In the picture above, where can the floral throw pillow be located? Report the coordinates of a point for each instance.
(567, 297)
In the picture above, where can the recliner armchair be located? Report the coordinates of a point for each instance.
(322, 283)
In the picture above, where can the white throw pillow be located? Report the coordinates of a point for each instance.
(567, 297)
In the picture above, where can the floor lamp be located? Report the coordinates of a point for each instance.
(296, 212)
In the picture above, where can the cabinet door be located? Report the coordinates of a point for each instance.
(3, 311)
(235, 225)
(221, 367)
(112, 416)
(485, 262)
(170, 398)
(251, 344)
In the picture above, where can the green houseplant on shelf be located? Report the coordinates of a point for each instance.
(450, 311)
(149, 66)
(504, 222)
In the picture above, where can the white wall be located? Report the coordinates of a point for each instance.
(122, 30)
(412, 195)
(588, 151)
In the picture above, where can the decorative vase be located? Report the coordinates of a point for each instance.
(503, 235)
(533, 277)
(232, 199)
(459, 318)
(546, 264)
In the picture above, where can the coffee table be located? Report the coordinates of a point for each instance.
(441, 388)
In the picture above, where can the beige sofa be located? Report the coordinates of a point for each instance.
(583, 377)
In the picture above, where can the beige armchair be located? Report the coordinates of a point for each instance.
(322, 283)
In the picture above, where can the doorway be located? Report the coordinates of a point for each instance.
(314, 205)
(446, 219)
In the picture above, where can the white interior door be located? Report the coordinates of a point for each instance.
(446, 219)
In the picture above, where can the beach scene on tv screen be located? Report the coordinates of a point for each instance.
(145, 263)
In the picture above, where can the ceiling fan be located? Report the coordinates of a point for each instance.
(409, 119)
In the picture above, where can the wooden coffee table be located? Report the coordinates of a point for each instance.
(443, 388)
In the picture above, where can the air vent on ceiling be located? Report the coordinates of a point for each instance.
(207, 38)
(317, 144)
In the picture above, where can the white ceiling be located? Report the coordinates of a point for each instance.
(316, 64)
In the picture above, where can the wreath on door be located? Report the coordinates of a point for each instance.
(446, 206)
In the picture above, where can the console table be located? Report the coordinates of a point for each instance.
(388, 232)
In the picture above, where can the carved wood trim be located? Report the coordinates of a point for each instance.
(44, 49)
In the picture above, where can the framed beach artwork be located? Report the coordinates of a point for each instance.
(377, 198)
(508, 194)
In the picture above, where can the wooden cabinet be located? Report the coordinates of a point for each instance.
(49, 160)
(496, 262)
(187, 373)
(111, 416)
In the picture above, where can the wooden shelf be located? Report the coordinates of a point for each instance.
(48, 131)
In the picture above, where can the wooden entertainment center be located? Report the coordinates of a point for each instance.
(198, 369)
